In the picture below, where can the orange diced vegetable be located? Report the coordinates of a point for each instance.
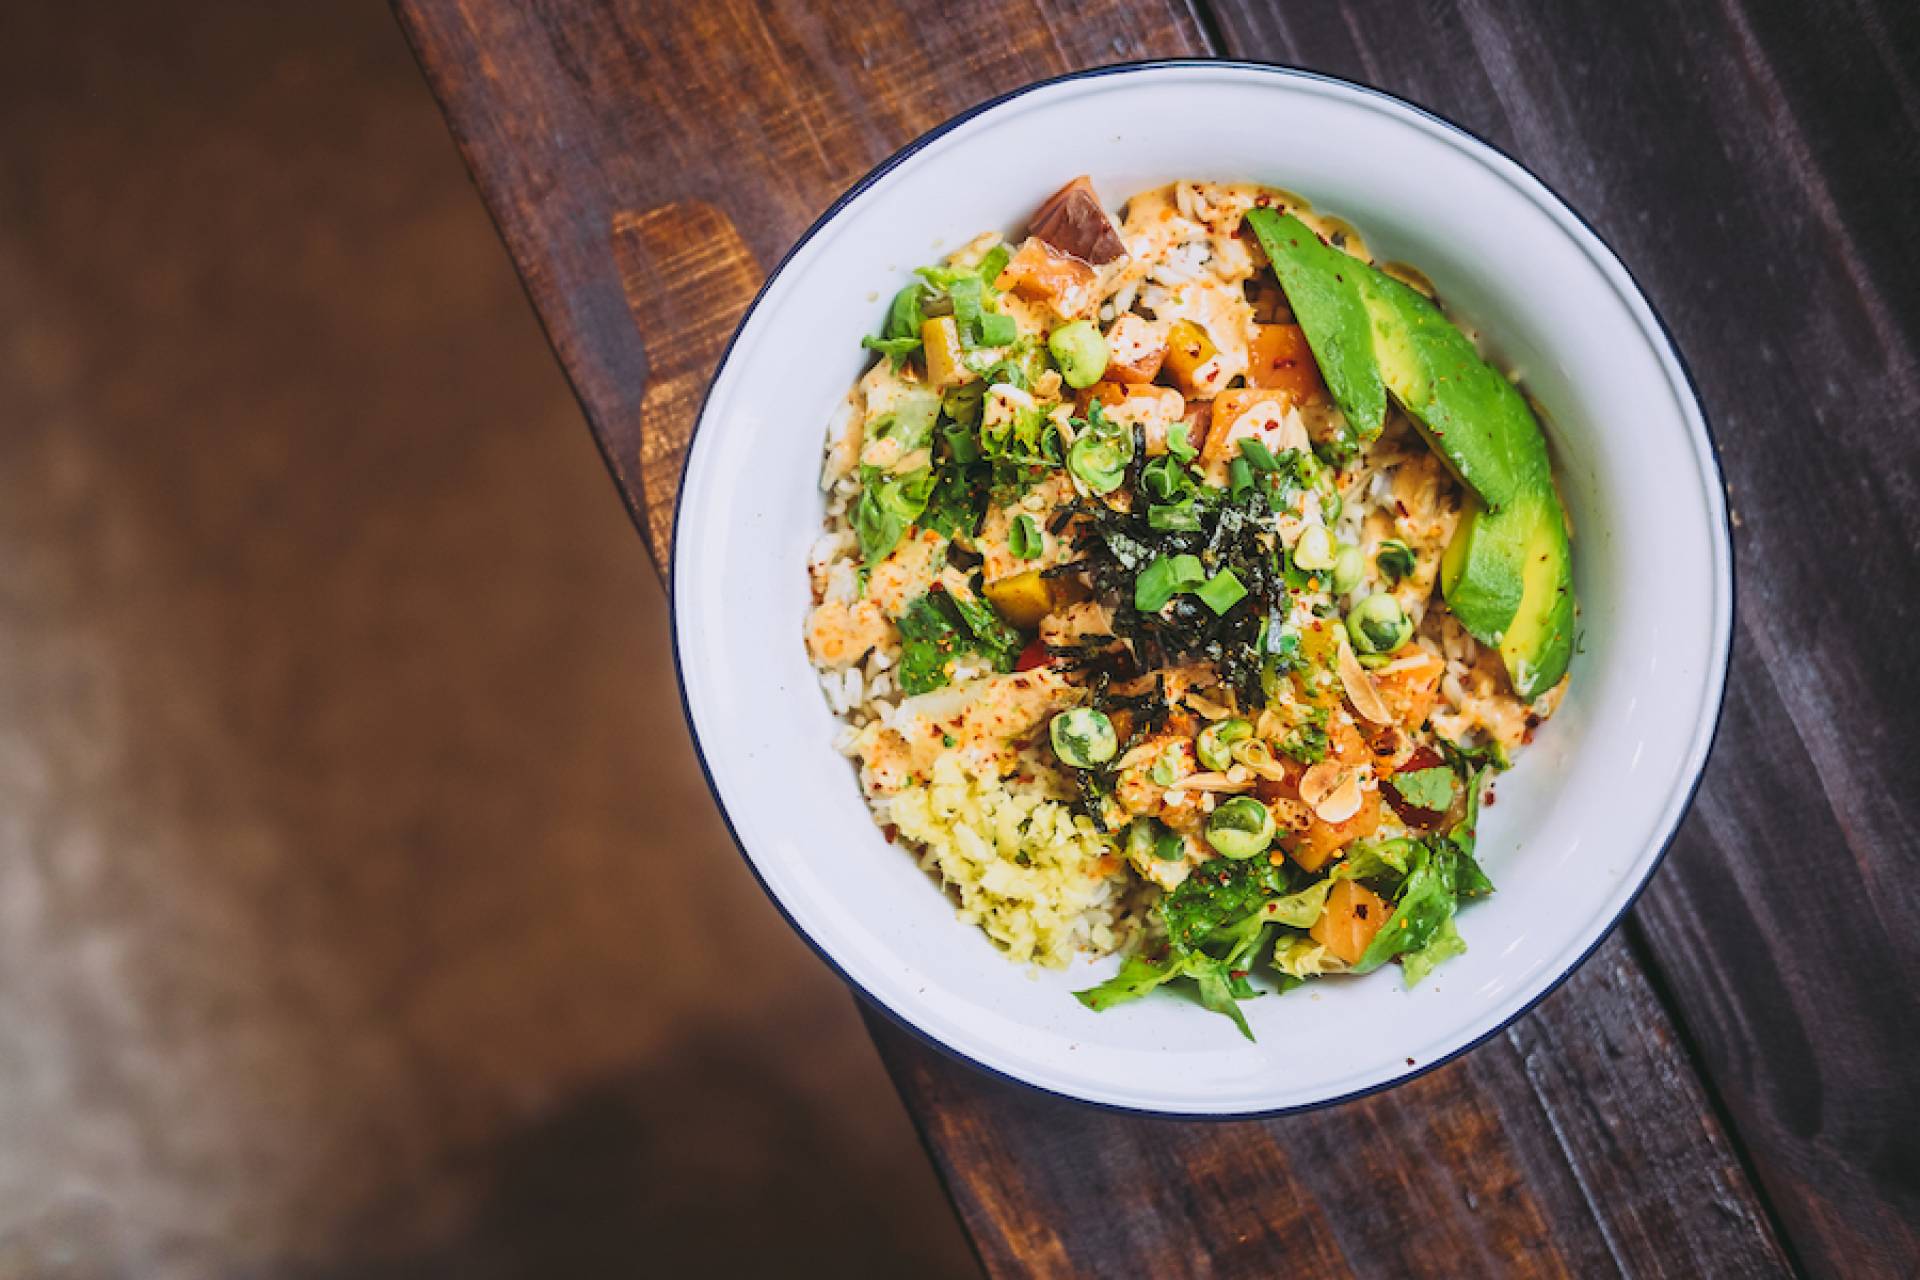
(1041, 273)
(1279, 359)
(1410, 684)
(1315, 847)
(1188, 351)
(1353, 914)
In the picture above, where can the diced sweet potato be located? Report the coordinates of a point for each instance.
(1315, 847)
(1353, 914)
(1135, 349)
(1189, 351)
(1042, 273)
(1280, 360)
(1073, 221)
(1410, 684)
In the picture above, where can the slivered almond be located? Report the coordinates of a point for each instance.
(1359, 685)
(1343, 803)
(1320, 780)
(1210, 782)
(1207, 707)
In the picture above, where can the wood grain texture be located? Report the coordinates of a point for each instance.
(1757, 166)
(667, 255)
(1579, 1142)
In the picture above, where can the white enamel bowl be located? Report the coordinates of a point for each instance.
(1580, 823)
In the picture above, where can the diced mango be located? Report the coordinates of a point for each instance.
(1353, 914)
(1022, 598)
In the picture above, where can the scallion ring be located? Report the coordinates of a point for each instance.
(1083, 737)
(1240, 828)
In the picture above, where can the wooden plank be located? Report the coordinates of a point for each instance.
(1577, 1143)
(1531, 1155)
(1758, 166)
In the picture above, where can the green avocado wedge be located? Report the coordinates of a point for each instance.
(1323, 285)
(1508, 577)
(1508, 572)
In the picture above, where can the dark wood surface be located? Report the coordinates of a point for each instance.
(1728, 1087)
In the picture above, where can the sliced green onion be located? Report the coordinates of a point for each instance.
(1100, 461)
(1378, 625)
(1241, 828)
(1164, 579)
(1258, 456)
(1178, 516)
(1165, 479)
(1239, 477)
(1166, 769)
(1170, 847)
(1083, 737)
(1024, 539)
(1314, 551)
(1252, 752)
(992, 263)
(997, 330)
(1348, 567)
(967, 308)
(1395, 559)
(1222, 591)
(1178, 444)
(1214, 744)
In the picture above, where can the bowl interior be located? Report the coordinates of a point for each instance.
(1576, 827)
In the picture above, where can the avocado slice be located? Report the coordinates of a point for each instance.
(1323, 285)
(1507, 574)
(1508, 577)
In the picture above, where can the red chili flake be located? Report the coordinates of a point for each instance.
(889, 832)
(1488, 800)
(1400, 506)
(1360, 910)
(1236, 973)
(1409, 1061)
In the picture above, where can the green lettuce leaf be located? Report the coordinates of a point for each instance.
(1445, 945)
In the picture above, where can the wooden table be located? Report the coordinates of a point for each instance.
(1732, 1084)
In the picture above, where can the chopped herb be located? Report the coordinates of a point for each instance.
(1307, 744)
(886, 506)
(1430, 789)
(939, 627)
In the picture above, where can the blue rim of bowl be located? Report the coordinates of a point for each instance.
(1283, 70)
